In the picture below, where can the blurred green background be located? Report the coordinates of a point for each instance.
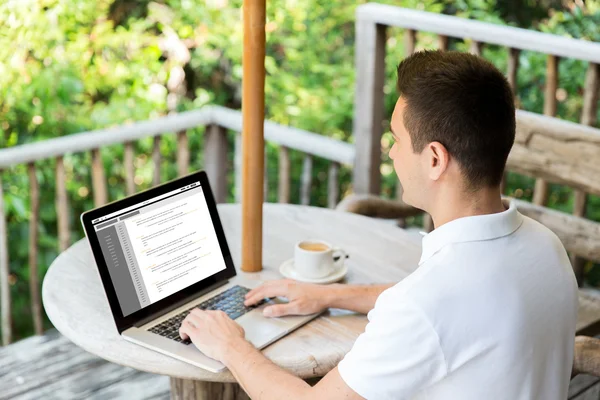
(70, 66)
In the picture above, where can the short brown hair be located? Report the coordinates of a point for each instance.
(466, 104)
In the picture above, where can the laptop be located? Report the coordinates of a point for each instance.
(162, 252)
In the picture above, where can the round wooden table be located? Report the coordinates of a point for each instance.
(379, 252)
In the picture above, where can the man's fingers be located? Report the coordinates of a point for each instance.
(183, 330)
(195, 319)
(269, 289)
(280, 310)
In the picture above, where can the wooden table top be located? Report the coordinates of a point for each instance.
(379, 253)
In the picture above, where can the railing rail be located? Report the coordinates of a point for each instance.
(298, 139)
(485, 32)
(217, 120)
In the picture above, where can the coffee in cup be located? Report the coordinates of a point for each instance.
(314, 258)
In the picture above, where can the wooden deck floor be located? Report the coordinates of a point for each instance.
(51, 367)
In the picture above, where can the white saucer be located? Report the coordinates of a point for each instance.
(287, 270)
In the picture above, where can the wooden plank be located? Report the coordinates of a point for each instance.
(593, 393)
(443, 42)
(588, 117)
(485, 32)
(215, 160)
(368, 105)
(579, 235)
(5, 304)
(540, 192)
(129, 168)
(586, 358)
(476, 47)
(183, 389)
(284, 175)
(556, 150)
(293, 138)
(333, 185)
(306, 180)
(237, 165)
(86, 141)
(98, 179)
(62, 206)
(34, 220)
(156, 159)
(581, 385)
(51, 366)
(183, 153)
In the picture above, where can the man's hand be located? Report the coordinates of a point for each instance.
(304, 298)
(213, 332)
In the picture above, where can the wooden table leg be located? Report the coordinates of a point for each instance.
(185, 389)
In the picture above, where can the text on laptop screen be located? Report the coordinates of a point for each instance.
(159, 247)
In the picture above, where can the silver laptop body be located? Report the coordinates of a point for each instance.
(122, 241)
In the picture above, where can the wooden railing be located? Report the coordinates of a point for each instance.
(557, 153)
(372, 21)
(217, 120)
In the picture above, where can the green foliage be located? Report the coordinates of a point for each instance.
(70, 66)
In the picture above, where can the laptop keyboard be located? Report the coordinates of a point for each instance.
(230, 301)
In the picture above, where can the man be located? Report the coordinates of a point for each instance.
(489, 313)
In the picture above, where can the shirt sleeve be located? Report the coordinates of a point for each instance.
(397, 356)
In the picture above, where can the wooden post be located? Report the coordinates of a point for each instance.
(183, 153)
(156, 161)
(368, 105)
(513, 66)
(34, 283)
(306, 180)
(98, 179)
(62, 206)
(511, 76)
(284, 175)
(253, 114)
(129, 169)
(588, 117)
(5, 302)
(410, 39)
(476, 47)
(185, 389)
(443, 42)
(540, 194)
(333, 185)
(215, 160)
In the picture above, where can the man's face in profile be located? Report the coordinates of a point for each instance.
(407, 164)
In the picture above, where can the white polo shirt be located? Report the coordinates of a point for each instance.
(489, 314)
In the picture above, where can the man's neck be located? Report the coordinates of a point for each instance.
(458, 204)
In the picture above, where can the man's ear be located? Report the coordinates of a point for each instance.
(438, 159)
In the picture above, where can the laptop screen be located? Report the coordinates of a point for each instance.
(158, 247)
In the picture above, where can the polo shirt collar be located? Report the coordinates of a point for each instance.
(472, 229)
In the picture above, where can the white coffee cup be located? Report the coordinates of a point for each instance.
(314, 258)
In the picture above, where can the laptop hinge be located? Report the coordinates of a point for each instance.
(179, 304)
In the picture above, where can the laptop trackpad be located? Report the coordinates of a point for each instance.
(261, 330)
